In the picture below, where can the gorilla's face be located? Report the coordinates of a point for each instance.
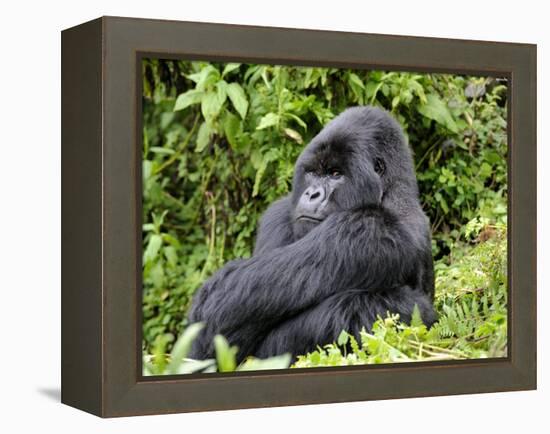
(345, 167)
(323, 176)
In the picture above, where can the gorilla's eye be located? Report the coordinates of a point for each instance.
(334, 173)
(379, 166)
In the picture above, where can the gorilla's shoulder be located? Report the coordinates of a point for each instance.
(280, 208)
(275, 227)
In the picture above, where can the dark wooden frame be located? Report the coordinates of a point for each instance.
(101, 238)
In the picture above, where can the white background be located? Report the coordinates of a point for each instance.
(30, 214)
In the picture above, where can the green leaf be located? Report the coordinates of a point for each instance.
(182, 346)
(485, 170)
(372, 90)
(153, 246)
(229, 68)
(294, 135)
(193, 366)
(416, 317)
(238, 98)
(269, 156)
(171, 255)
(231, 127)
(157, 274)
(443, 204)
(206, 77)
(298, 120)
(354, 78)
(225, 355)
(419, 90)
(147, 169)
(148, 227)
(267, 121)
(474, 90)
(343, 338)
(438, 111)
(160, 150)
(170, 239)
(395, 101)
(357, 87)
(256, 158)
(165, 119)
(258, 178)
(278, 362)
(188, 98)
(315, 357)
(221, 88)
(203, 137)
(212, 102)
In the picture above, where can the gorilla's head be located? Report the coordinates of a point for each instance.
(359, 159)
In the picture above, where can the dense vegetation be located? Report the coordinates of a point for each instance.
(219, 145)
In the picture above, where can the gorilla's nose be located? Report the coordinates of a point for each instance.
(314, 195)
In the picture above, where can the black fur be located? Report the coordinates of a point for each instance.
(308, 281)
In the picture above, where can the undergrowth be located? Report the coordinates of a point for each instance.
(471, 301)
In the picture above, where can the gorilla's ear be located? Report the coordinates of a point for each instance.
(367, 186)
(379, 166)
(374, 183)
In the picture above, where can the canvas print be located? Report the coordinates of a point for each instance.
(297, 217)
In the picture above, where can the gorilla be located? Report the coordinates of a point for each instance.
(349, 243)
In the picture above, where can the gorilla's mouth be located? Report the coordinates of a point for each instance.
(308, 218)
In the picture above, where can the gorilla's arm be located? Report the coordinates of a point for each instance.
(349, 310)
(275, 228)
(368, 248)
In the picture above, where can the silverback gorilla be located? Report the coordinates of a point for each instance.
(349, 243)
